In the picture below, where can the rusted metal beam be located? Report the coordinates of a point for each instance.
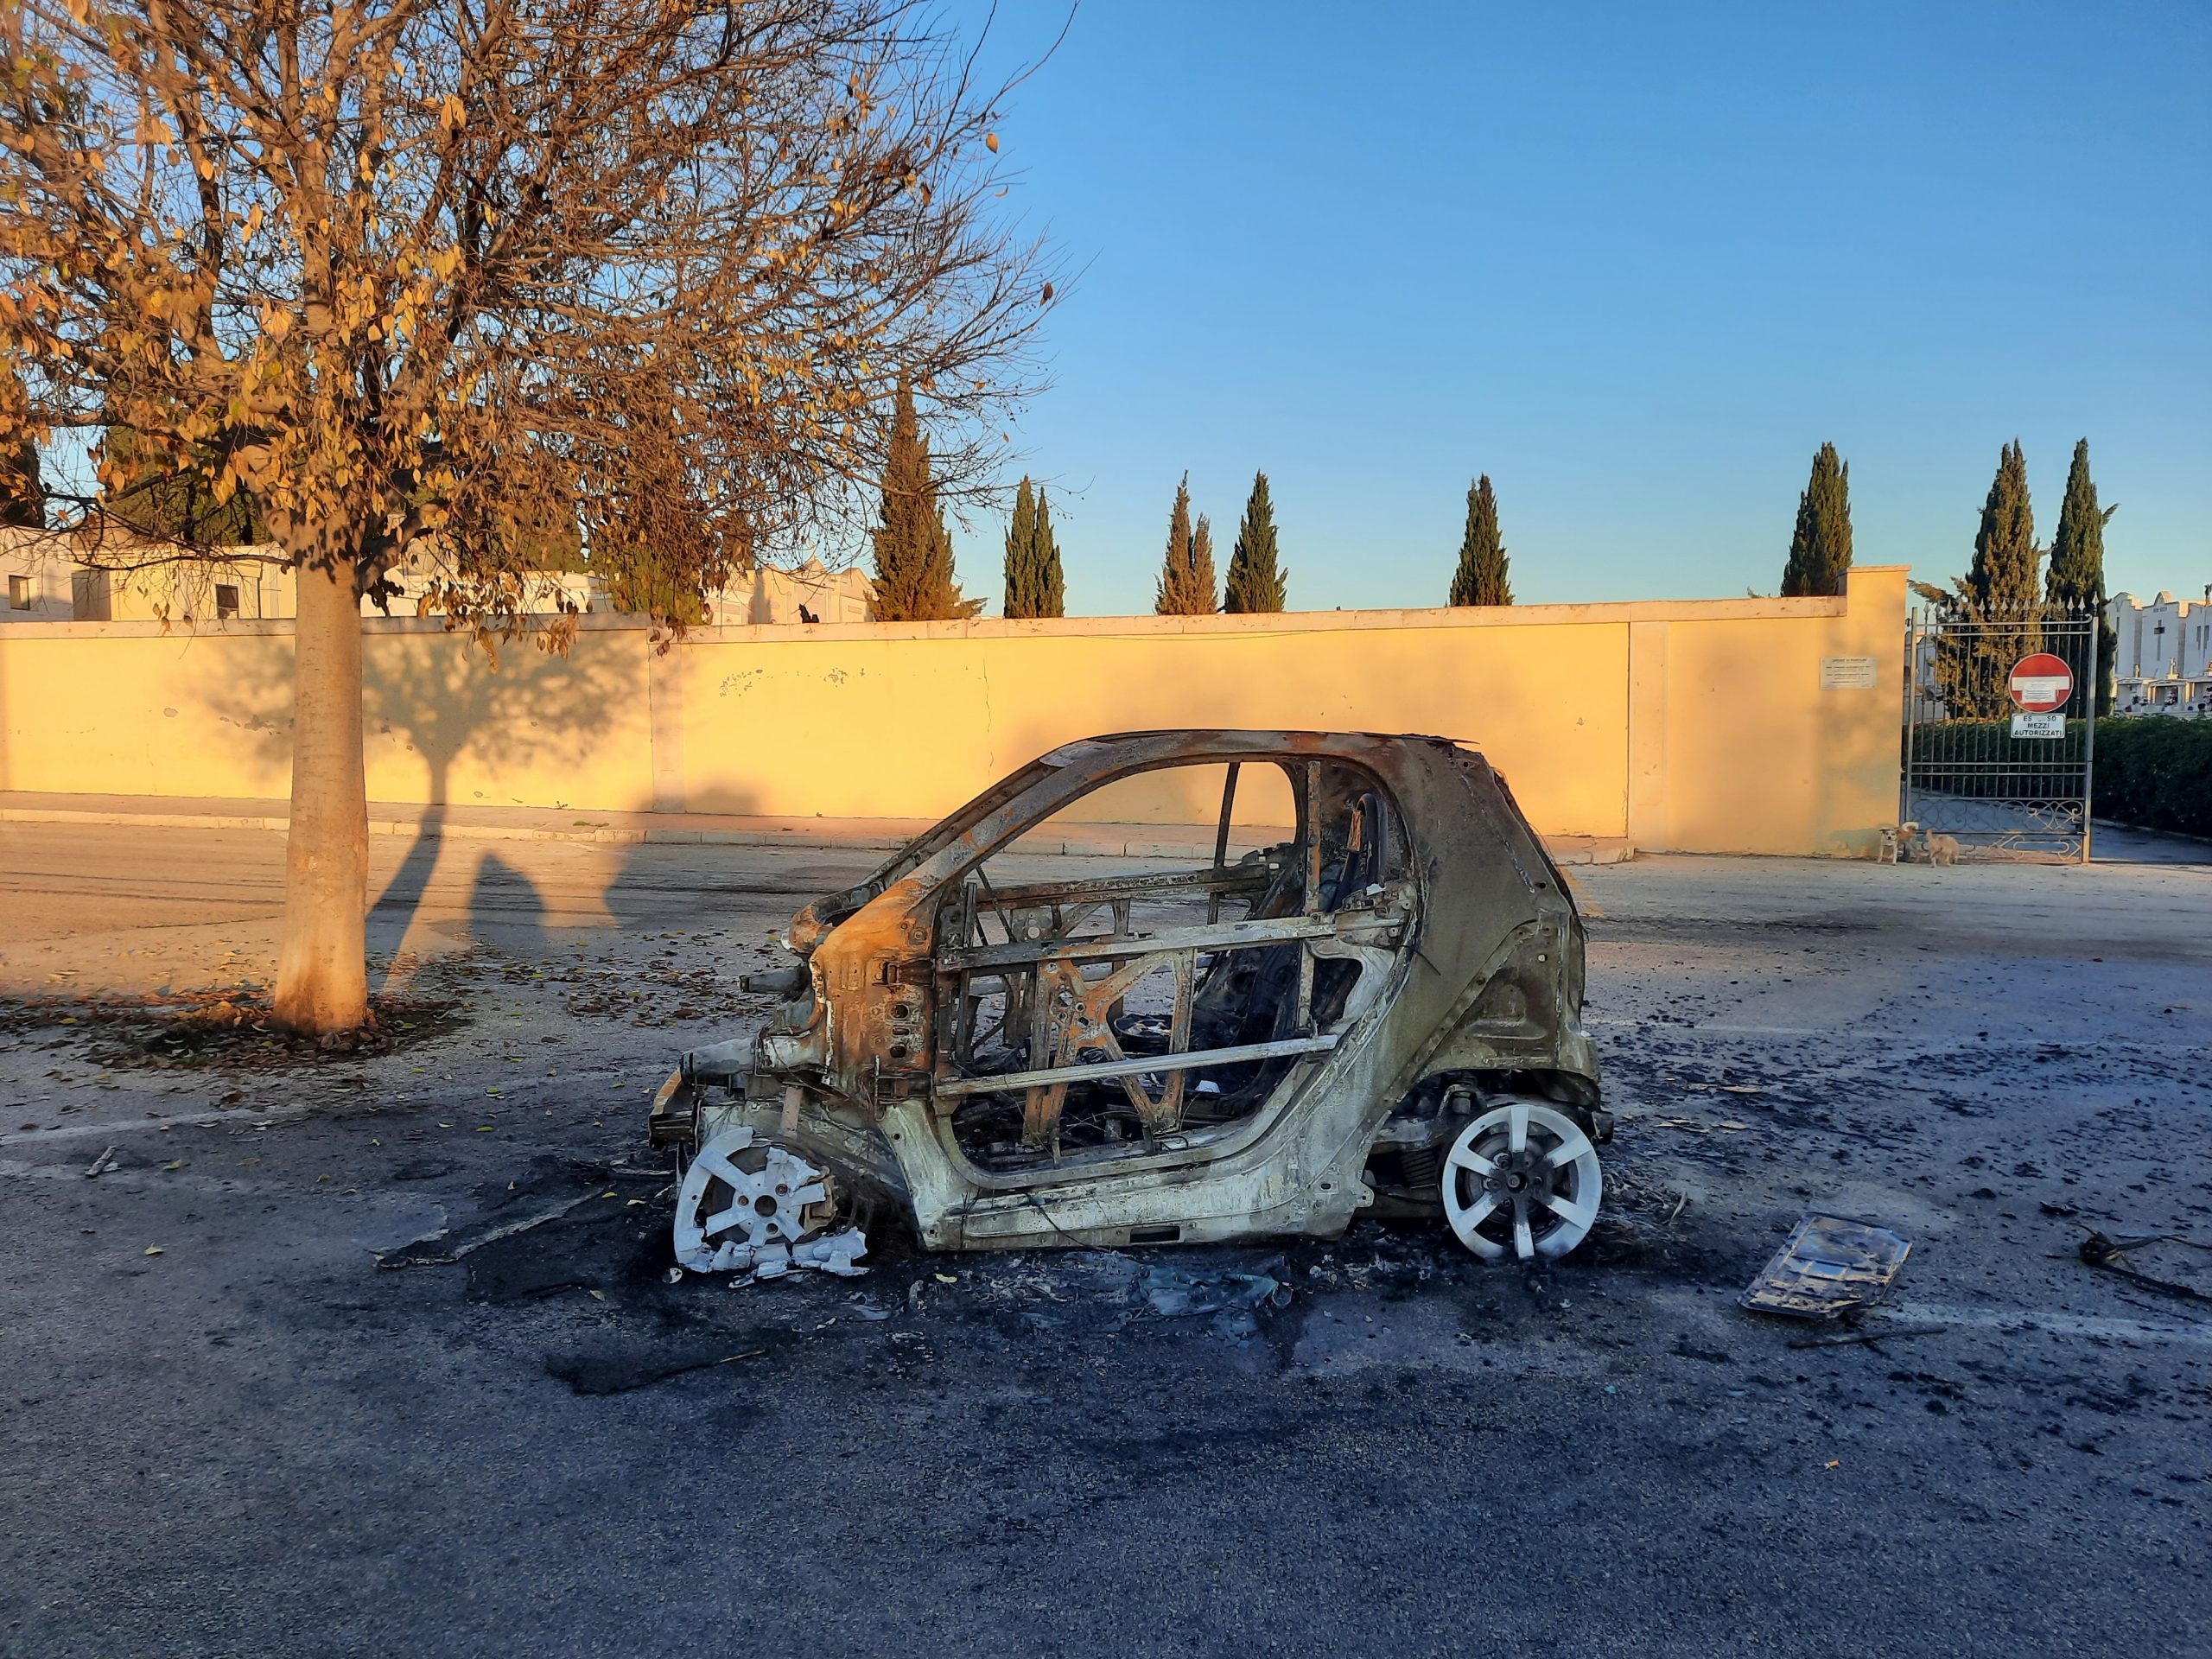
(1040, 1111)
(1083, 1018)
(1221, 838)
(1309, 828)
(1221, 936)
(1156, 881)
(1166, 1113)
(1130, 1068)
(1311, 837)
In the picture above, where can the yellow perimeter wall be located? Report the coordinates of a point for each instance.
(1690, 725)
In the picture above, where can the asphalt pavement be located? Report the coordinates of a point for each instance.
(232, 1431)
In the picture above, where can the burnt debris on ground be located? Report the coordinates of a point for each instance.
(238, 1029)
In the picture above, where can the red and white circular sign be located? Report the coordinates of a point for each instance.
(2041, 682)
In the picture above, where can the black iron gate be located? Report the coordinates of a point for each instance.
(1989, 759)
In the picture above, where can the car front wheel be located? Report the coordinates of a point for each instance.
(1521, 1180)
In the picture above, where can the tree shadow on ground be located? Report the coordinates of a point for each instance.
(392, 913)
(506, 910)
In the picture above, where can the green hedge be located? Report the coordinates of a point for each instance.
(2156, 771)
(2151, 770)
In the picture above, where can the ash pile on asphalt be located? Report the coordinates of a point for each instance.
(166, 1030)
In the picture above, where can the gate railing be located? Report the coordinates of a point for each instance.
(1971, 769)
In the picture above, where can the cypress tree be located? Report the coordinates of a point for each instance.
(1255, 581)
(1186, 576)
(913, 549)
(1021, 536)
(1996, 597)
(1820, 549)
(1797, 571)
(1052, 581)
(1034, 585)
(2003, 575)
(1481, 578)
(2076, 580)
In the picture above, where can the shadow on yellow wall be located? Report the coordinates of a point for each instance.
(443, 717)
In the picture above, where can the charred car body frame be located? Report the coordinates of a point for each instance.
(1380, 1012)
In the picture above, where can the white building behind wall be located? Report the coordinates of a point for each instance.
(44, 583)
(2162, 659)
(812, 592)
(37, 580)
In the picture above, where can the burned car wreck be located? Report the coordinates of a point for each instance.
(1374, 1006)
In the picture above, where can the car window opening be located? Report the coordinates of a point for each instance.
(1228, 977)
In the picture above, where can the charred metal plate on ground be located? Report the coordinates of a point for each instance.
(1367, 999)
(1826, 1267)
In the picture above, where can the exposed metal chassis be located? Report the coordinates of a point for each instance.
(856, 1072)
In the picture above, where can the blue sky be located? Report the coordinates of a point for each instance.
(1636, 262)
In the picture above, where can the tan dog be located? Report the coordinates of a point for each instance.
(1915, 844)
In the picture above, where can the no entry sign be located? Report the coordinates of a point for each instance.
(2040, 683)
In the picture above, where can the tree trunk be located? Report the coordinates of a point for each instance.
(322, 968)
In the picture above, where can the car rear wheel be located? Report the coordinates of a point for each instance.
(1522, 1181)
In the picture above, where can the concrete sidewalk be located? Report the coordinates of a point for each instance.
(553, 823)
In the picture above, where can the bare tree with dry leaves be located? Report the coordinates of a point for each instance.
(426, 277)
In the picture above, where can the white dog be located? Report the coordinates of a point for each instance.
(1916, 844)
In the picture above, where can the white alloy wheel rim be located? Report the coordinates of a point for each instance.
(722, 1204)
(1521, 1181)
